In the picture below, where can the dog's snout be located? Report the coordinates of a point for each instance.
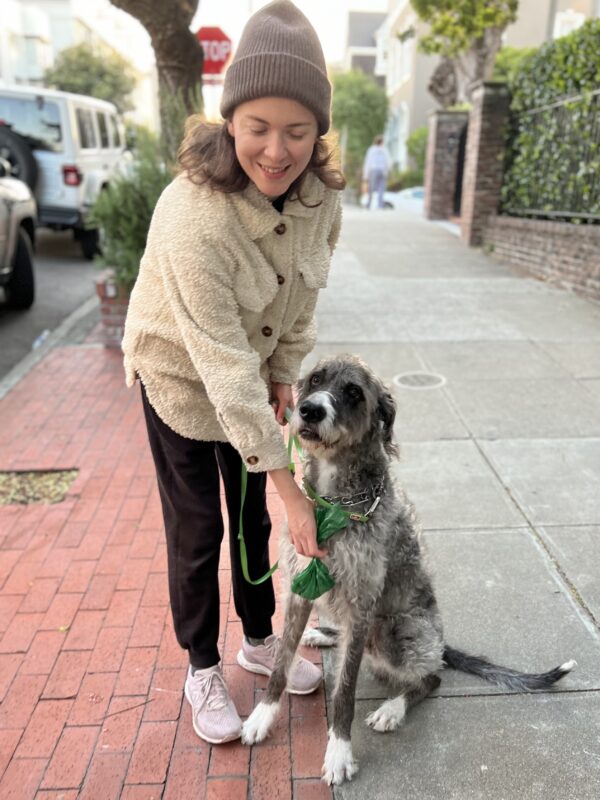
(312, 412)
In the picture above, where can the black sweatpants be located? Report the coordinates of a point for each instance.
(188, 481)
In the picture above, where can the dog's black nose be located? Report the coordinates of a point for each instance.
(311, 412)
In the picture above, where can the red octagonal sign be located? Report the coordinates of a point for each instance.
(217, 49)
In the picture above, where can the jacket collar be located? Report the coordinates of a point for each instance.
(256, 211)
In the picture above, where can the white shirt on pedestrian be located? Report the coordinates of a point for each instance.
(376, 160)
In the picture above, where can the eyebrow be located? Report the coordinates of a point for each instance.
(265, 122)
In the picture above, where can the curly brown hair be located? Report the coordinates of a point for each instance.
(207, 155)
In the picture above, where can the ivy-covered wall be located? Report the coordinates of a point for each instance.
(553, 155)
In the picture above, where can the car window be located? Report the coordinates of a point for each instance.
(116, 133)
(103, 128)
(85, 126)
(35, 119)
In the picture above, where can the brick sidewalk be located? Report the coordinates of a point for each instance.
(91, 676)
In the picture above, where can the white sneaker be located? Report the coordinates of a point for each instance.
(214, 715)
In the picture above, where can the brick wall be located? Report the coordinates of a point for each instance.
(482, 180)
(562, 253)
(441, 162)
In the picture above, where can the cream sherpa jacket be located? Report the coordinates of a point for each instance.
(223, 305)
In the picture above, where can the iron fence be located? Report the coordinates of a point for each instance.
(552, 166)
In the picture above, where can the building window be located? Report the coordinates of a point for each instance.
(566, 22)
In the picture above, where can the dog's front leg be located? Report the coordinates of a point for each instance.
(259, 723)
(339, 764)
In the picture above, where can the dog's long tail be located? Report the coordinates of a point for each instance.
(504, 676)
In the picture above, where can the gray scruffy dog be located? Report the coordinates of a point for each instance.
(382, 602)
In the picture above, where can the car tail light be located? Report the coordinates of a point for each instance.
(71, 175)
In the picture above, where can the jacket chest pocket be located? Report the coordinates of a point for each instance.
(313, 268)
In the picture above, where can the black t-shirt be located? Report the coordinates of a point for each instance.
(278, 202)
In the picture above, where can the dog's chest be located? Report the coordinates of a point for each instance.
(358, 566)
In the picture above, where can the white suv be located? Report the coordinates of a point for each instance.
(65, 147)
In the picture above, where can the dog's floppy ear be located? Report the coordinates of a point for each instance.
(386, 412)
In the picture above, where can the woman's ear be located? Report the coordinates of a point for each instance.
(230, 128)
(386, 412)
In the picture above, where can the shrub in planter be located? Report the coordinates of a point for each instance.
(122, 213)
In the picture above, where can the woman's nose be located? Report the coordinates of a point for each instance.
(275, 148)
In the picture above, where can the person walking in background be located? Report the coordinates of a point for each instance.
(375, 170)
(219, 321)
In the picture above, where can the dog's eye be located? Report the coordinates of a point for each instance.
(354, 392)
(315, 380)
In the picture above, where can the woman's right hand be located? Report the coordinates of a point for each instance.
(300, 514)
(302, 527)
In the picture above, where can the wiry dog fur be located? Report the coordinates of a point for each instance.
(382, 601)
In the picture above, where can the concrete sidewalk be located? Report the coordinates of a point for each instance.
(503, 463)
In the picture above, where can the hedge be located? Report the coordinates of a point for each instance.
(553, 155)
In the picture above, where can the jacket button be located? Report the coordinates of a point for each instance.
(280, 229)
(252, 460)
(266, 331)
(280, 280)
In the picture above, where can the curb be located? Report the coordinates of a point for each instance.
(20, 370)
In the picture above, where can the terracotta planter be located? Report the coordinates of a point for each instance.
(114, 301)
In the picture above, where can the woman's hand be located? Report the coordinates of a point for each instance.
(281, 398)
(300, 514)
(302, 527)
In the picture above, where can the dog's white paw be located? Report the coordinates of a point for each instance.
(388, 716)
(339, 765)
(258, 725)
(313, 637)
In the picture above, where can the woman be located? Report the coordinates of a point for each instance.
(219, 321)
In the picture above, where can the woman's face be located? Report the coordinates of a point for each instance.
(274, 141)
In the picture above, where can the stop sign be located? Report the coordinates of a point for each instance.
(217, 49)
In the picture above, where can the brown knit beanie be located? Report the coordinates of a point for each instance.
(279, 55)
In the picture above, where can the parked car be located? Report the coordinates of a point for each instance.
(412, 196)
(66, 147)
(17, 235)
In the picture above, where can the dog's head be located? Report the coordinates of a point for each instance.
(342, 403)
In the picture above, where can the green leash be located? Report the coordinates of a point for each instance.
(330, 518)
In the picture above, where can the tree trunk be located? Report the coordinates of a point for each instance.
(477, 63)
(179, 59)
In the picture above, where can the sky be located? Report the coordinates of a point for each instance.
(329, 18)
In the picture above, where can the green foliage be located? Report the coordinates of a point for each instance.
(510, 61)
(553, 156)
(405, 179)
(456, 24)
(124, 209)
(359, 113)
(81, 70)
(416, 145)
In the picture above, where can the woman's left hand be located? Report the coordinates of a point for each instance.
(281, 398)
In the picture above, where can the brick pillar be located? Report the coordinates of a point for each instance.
(484, 162)
(441, 163)
(114, 301)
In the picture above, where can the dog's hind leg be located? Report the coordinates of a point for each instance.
(339, 763)
(259, 723)
(391, 714)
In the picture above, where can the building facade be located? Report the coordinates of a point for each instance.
(407, 71)
(34, 32)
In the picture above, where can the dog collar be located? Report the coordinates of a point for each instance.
(372, 495)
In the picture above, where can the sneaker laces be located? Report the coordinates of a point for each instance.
(272, 646)
(210, 690)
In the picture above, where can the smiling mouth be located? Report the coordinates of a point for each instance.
(274, 172)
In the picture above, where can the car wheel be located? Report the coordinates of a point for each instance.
(17, 152)
(20, 289)
(90, 242)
